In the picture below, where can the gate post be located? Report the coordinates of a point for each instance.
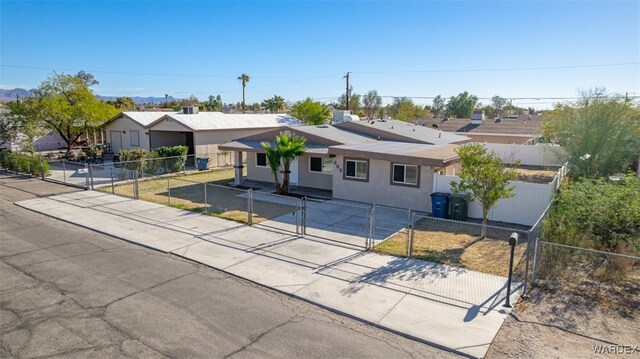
(86, 176)
(412, 230)
(304, 215)
(372, 226)
(91, 175)
(64, 173)
(41, 168)
(113, 188)
(535, 261)
(206, 203)
(169, 189)
(250, 206)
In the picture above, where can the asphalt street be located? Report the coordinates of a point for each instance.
(66, 291)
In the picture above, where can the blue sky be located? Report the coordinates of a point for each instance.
(300, 49)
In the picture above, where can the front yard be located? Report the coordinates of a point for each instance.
(456, 249)
(188, 192)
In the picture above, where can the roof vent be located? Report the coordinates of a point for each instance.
(190, 110)
(477, 117)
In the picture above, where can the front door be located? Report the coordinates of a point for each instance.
(293, 176)
(116, 141)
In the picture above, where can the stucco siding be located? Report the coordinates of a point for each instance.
(126, 124)
(256, 173)
(378, 189)
(312, 179)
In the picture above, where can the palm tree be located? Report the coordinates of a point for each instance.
(280, 155)
(244, 78)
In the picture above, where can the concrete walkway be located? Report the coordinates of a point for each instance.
(448, 307)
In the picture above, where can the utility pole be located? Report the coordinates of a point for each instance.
(347, 91)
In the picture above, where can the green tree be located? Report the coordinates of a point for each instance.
(310, 112)
(244, 79)
(483, 177)
(498, 104)
(255, 107)
(462, 105)
(213, 103)
(65, 104)
(438, 106)
(280, 155)
(274, 104)
(355, 103)
(404, 109)
(123, 103)
(599, 136)
(372, 103)
(17, 128)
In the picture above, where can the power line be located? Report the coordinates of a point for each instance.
(499, 69)
(152, 73)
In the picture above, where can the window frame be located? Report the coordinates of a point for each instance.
(356, 160)
(266, 161)
(321, 165)
(405, 184)
(131, 138)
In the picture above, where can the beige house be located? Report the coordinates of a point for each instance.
(201, 132)
(354, 166)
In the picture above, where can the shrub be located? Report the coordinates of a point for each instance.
(132, 160)
(152, 165)
(22, 162)
(178, 156)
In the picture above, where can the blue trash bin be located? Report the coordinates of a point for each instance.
(439, 204)
(202, 163)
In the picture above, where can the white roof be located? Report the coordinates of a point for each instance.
(145, 118)
(203, 121)
(222, 121)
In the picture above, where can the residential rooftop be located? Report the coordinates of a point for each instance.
(522, 125)
(396, 130)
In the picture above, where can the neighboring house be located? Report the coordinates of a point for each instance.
(515, 129)
(395, 170)
(401, 131)
(202, 132)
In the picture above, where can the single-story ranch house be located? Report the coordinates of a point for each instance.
(514, 129)
(202, 132)
(395, 167)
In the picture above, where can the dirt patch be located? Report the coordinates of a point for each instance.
(535, 175)
(456, 249)
(564, 324)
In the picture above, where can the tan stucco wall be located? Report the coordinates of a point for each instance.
(313, 179)
(255, 173)
(497, 138)
(379, 190)
(125, 124)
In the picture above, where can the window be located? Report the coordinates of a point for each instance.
(320, 164)
(261, 160)
(405, 174)
(135, 138)
(356, 169)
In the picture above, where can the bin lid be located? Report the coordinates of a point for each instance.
(457, 198)
(440, 194)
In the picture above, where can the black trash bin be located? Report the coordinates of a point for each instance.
(202, 163)
(458, 207)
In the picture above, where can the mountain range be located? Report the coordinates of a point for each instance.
(7, 95)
